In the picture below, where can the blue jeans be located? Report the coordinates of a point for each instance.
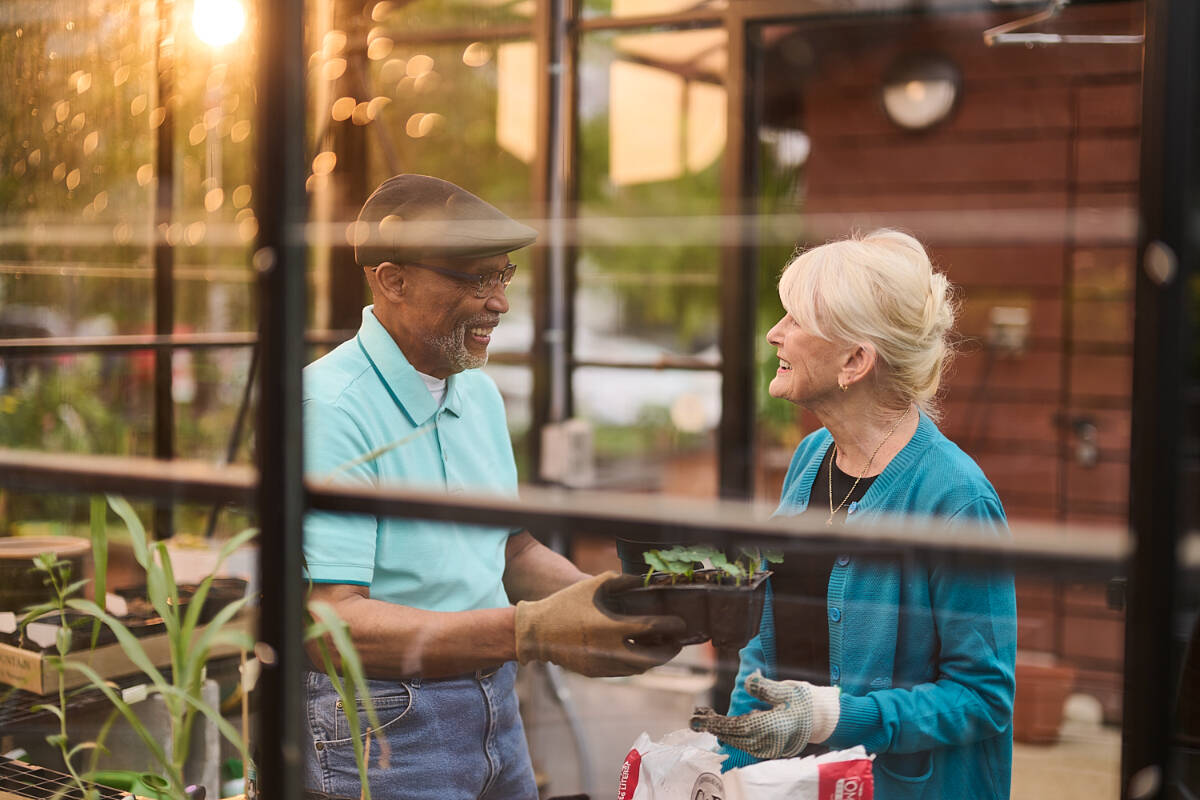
(451, 739)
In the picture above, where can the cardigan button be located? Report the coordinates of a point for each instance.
(843, 560)
(835, 614)
(835, 672)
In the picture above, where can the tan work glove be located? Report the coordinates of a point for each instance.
(573, 628)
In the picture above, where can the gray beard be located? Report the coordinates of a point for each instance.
(454, 347)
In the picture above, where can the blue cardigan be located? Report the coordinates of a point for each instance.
(924, 654)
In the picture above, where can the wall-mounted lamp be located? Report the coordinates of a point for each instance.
(920, 91)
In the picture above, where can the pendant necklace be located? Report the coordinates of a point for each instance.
(861, 475)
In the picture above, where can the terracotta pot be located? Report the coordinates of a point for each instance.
(1042, 689)
(712, 606)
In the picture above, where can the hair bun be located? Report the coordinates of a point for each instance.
(882, 289)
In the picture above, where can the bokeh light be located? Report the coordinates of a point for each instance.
(218, 22)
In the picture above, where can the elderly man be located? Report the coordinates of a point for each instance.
(429, 605)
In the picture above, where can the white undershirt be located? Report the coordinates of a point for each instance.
(436, 386)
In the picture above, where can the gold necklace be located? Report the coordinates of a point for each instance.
(861, 475)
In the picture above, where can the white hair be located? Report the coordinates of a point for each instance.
(879, 288)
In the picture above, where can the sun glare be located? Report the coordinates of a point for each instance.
(218, 22)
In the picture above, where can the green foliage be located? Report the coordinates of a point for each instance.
(680, 562)
(652, 433)
(680, 310)
(58, 577)
(72, 410)
(189, 646)
(189, 649)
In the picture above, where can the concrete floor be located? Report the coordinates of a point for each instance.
(1084, 763)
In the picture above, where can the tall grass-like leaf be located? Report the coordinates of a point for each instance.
(200, 649)
(135, 722)
(129, 644)
(99, 525)
(164, 558)
(223, 725)
(181, 695)
(326, 621)
(192, 616)
(171, 620)
(102, 737)
(382, 450)
(137, 533)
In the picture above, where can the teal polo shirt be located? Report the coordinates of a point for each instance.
(364, 397)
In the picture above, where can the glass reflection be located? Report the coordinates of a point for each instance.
(653, 430)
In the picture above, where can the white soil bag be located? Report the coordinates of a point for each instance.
(686, 766)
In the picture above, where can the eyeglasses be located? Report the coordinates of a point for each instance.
(483, 284)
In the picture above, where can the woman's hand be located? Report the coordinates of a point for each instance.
(801, 713)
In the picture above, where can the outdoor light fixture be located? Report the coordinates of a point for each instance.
(920, 91)
(218, 22)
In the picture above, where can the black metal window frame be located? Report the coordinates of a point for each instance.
(1169, 202)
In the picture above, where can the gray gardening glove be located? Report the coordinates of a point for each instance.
(800, 713)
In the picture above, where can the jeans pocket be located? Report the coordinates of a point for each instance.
(390, 707)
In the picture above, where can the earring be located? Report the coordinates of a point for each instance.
(842, 386)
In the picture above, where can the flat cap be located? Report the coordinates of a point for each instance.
(410, 217)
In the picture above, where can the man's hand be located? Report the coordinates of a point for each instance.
(574, 629)
(800, 713)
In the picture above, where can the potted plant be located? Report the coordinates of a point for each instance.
(723, 602)
(195, 617)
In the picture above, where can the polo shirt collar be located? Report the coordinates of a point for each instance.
(399, 376)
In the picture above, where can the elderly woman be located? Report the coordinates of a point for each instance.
(913, 660)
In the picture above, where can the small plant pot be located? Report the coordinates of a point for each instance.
(1042, 690)
(712, 605)
(630, 551)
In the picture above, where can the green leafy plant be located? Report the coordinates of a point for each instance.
(58, 579)
(189, 645)
(680, 562)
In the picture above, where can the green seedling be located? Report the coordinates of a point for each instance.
(681, 562)
(57, 574)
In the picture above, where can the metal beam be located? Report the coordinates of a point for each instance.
(646, 517)
(144, 478)
(1168, 203)
(164, 253)
(735, 433)
(280, 259)
(17, 348)
(663, 362)
(651, 518)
